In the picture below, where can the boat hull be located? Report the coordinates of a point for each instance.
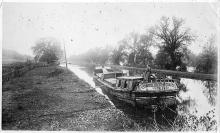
(139, 99)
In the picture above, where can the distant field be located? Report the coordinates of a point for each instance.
(6, 61)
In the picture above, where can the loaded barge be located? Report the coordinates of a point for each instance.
(141, 91)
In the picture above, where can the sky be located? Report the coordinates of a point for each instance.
(82, 26)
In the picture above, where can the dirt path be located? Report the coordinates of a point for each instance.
(51, 98)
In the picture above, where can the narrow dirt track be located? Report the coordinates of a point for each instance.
(48, 98)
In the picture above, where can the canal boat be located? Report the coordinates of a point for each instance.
(143, 91)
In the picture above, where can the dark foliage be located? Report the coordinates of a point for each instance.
(47, 50)
(134, 50)
(207, 60)
(172, 40)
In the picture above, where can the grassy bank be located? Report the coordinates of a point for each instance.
(41, 95)
(53, 98)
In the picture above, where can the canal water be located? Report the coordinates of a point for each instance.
(196, 98)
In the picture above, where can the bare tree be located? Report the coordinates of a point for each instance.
(173, 39)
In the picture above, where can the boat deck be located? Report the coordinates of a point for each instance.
(111, 80)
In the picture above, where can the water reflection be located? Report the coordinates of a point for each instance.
(211, 91)
(194, 99)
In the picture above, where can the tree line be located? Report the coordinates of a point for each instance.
(47, 50)
(170, 37)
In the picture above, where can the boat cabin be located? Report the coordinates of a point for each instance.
(128, 82)
(104, 70)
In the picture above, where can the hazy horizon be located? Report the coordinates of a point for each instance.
(91, 25)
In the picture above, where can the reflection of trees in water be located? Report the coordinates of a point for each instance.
(190, 122)
(210, 91)
(185, 108)
(181, 86)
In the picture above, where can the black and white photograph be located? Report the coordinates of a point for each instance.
(140, 66)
